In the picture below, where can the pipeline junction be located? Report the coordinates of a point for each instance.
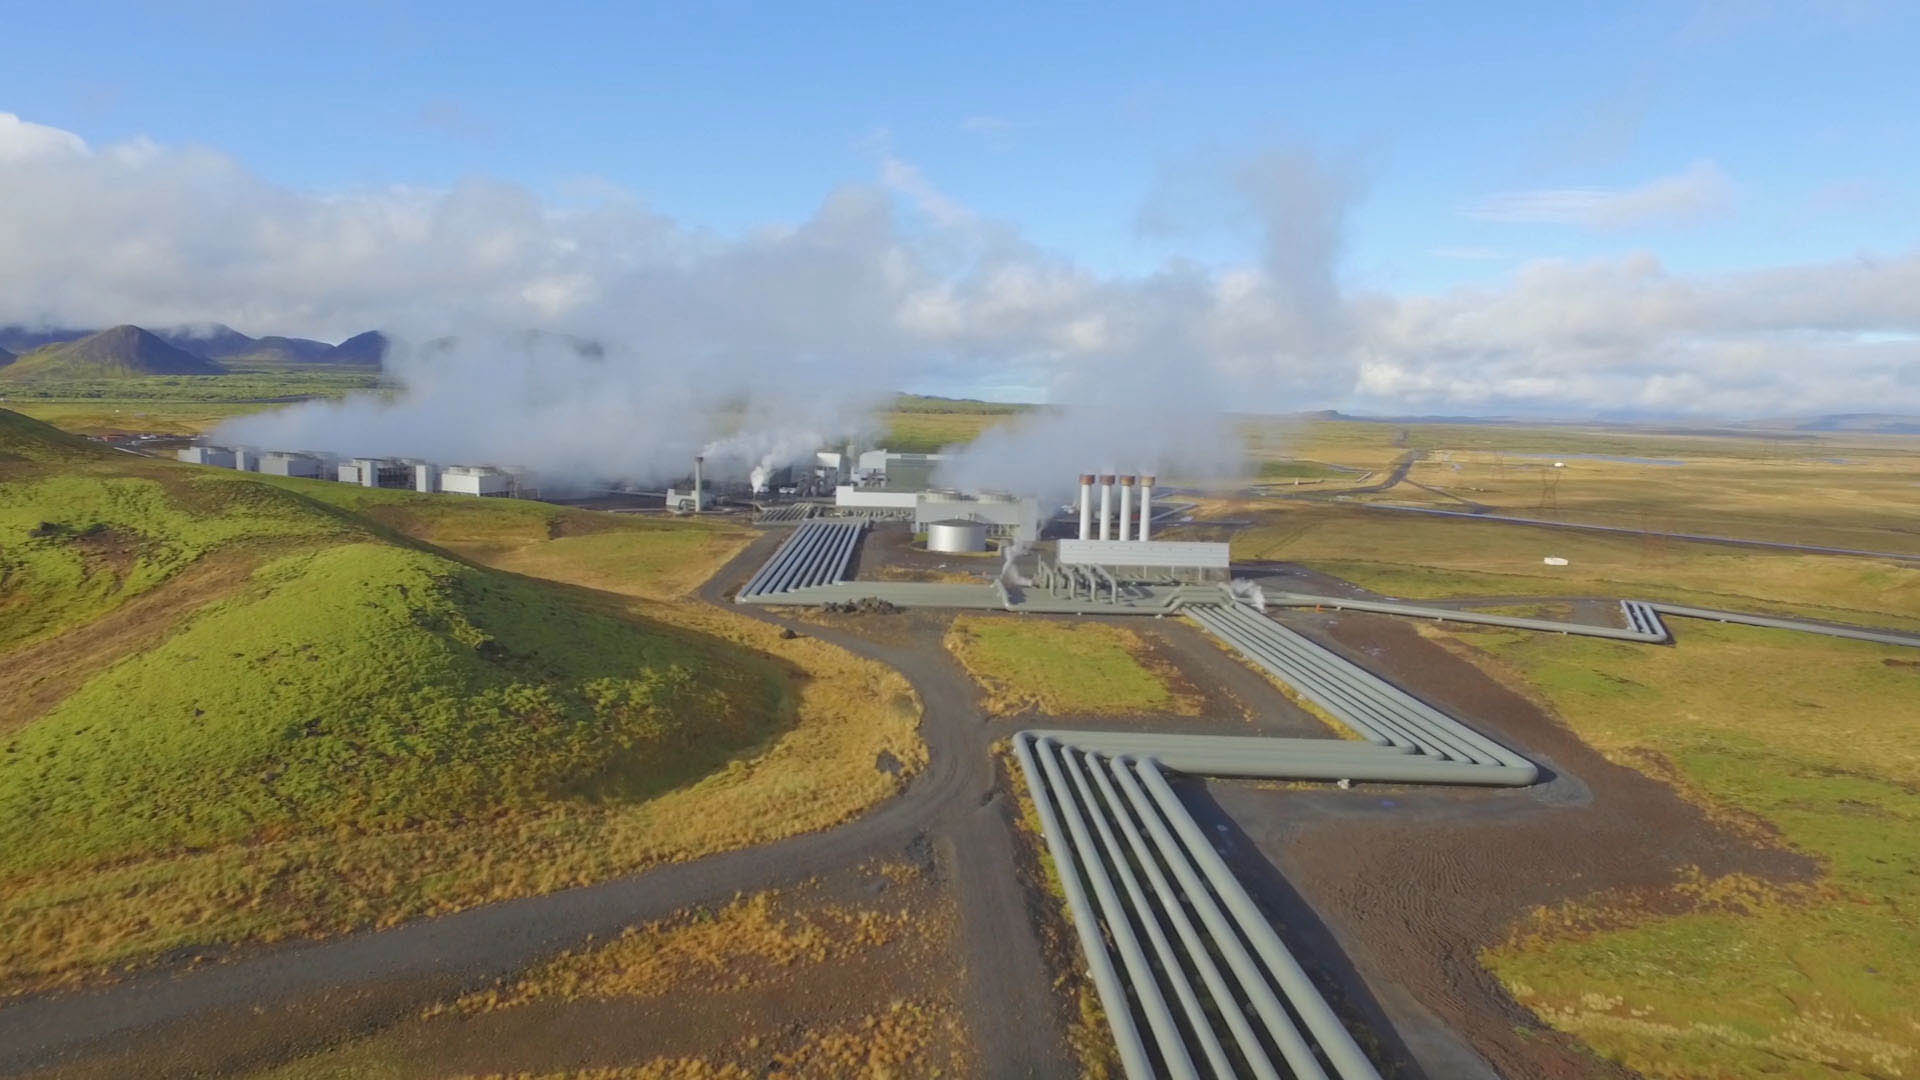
(1192, 976)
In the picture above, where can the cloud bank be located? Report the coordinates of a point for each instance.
(890, 283)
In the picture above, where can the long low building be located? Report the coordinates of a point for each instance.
(394, 473)
(1184, 560)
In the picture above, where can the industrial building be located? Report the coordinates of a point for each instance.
(897, 471)
(1008, 517)
(1119, 539)
(220, 456)
(407, 474)
(481, 480)
(376, 473)
(284, 464)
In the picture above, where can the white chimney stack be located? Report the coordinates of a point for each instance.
(699, 494)
(1106, 506)
(1086, 506)
(1126, 508)
(1146, 507)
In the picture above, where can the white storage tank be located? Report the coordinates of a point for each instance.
(957, 536)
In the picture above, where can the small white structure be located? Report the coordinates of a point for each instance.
(208, 455)
(285, 464)
(1554, 560)
(426, 476)
(957, 536)
(481, 480)
(376, 473)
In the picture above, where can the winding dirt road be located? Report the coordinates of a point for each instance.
(271, 1003)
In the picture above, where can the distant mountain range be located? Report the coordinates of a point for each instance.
(130, 351)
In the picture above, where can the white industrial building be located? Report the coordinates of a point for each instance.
(397, 473)
(482, 480)
(221, 456)
(1118, 537)
(848, 497)
(900, 471)
(283, 464)
(1012, 517)
(376, 473)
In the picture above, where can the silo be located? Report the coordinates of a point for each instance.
(957, 536)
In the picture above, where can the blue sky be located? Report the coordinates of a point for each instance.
(1473, 138)
(1064, 119)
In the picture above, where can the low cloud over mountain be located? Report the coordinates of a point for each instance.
(892, 283)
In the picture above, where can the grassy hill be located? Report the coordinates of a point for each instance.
(235, 708)
(123, 351)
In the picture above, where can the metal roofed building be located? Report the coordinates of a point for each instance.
(376, 473)
(481, 480)
(220, 456)
(281, 463)
(1012, 517)
(1180, 560)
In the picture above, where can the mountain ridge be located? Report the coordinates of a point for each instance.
(124, 351)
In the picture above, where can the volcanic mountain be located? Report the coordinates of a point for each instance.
(120, 352)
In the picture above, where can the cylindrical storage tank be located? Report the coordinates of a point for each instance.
(957, 536)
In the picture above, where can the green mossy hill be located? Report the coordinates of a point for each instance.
(123, 351)
(77, 542)
(314, 675)
(24, 439)
(370, 687)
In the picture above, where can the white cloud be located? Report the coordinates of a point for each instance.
(892, 283)
(1699, 191)
(1624, 335)
(22, 141)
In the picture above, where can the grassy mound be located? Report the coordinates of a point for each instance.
(367, 686)
(237, 708)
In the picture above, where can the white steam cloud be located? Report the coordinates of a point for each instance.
(789, 333)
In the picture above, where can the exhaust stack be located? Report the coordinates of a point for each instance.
(1126, 508)
(1106, 506)
(699, 489)
(1146, 507)
(1086, 506)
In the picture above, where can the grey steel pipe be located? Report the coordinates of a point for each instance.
(1286, 1036)
(1159, 1017)
(1170, 966)
(1126, 1036)
(1223, 996)
(1331, 1035)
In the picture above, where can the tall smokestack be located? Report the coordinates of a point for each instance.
(699, 489)
(1146, 507)
(1126, 508)
(1086, 506)
(1106, 506)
